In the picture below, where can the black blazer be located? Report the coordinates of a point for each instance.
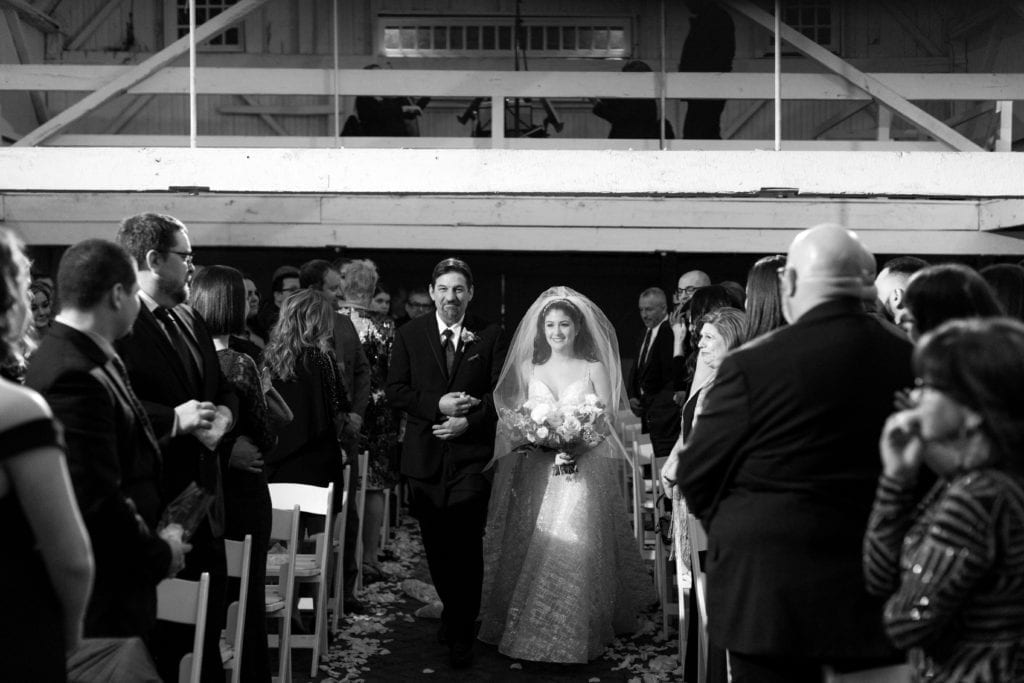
(416, 382)
(161, 384)
(781, 468)
(115, 467)
(652, 383)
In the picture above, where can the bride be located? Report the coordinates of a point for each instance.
(562, 573)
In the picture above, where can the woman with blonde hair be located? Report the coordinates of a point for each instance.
(380, 425)
(300, 361)
(49, 566)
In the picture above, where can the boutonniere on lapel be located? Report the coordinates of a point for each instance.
(467, 337)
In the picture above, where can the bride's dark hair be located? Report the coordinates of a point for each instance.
(583, 345)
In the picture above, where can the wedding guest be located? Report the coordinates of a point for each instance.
(952, 564)
(650, 383)
(301, 364)
(689, 282)
(632, 118)
(939, 293)
(891, 284)
(42, 308)
(686, 326)
(710, 46)
(418, 303)
(764, 304)
(219, 295)
(381, 301)
(112, 452)
(48, 567)
(779, 469)
(379, 435)
(252, 332)
(1007, 283)
(322, 276)
(736, 292)
(173, 368)
(284, 282)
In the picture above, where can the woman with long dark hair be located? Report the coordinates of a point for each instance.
(946, 292)
(764, 303)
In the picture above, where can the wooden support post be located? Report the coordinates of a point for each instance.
(33, 16)
(76, 41)
(884, 123)
(865, 82)
(21, 49)
(138, 73)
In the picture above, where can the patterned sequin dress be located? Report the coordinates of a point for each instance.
(562, 573)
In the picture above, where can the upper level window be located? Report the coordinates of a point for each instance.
(176, 21)
(490, 36)
(816, 19)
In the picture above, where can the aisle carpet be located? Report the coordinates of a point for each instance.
(390, 643)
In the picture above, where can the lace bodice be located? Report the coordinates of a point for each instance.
(571, 395)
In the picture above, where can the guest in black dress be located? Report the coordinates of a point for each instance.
(218, 295)
(301, 363)
(48, 567)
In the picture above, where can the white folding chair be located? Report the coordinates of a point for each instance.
(185, 602)
(336, 603)
(310, 568)
(279, 598)
(363, 462)
(699, 542)
(239, 557)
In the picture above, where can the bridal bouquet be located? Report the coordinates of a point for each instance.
(564, 429)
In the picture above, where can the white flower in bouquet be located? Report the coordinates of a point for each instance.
(540, 412)
(591, 400)
(542, 432)
(570, 427)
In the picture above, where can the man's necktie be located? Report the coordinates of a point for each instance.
(645, 348)
(180, 344)
(449, 350)
(140, 412)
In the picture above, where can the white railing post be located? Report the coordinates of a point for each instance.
(1004, 140)
(778, 75)
(884, 122)
(192, 114)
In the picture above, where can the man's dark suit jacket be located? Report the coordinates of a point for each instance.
(416, 382)
(652, 383)
(781, 468)
(355, 368)
(160, 381)
(115, 468)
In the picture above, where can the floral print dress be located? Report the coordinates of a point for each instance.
(380, 423)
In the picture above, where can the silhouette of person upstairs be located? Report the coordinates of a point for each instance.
(710, 46)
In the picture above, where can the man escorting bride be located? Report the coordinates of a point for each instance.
(562, 573)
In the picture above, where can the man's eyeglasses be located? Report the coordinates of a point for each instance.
(417, 304)
(686, 290)
(186, 256)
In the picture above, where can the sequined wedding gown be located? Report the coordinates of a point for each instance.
(562, 572)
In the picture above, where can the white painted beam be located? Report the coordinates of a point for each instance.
(482, 171)
(138, 72)
(33, 16)
(858, 78)
(552, 84)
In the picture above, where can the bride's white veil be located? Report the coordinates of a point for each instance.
(596, 341)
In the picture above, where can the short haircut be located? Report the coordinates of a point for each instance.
(360, 278)
(656, 292)
(312, 273)
(90, 269)
(417, 291)
(904, 265)
(452, 265)
(147, 232)
(218, 295)
(282, 274)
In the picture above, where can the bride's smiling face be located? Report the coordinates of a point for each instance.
(559, 330)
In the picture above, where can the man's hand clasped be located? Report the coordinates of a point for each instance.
(457, 403)
(172, 535)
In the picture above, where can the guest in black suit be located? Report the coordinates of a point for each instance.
(443, 371)
(112, 452)
(650, 386)
(781, 469)
(174, 369)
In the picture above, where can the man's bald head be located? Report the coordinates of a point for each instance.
(826, 262)
(690, 282)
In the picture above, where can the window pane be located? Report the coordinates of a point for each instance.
(536, 38)
(472, 37)
(504, 37)
(391, 41)
(600, 38)
(456, 38)
(586, 38)
(440, 38)
(568, 37)
(489, 38)
(825, 36)
(408, 38)
(617, 39)
(552, 38)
